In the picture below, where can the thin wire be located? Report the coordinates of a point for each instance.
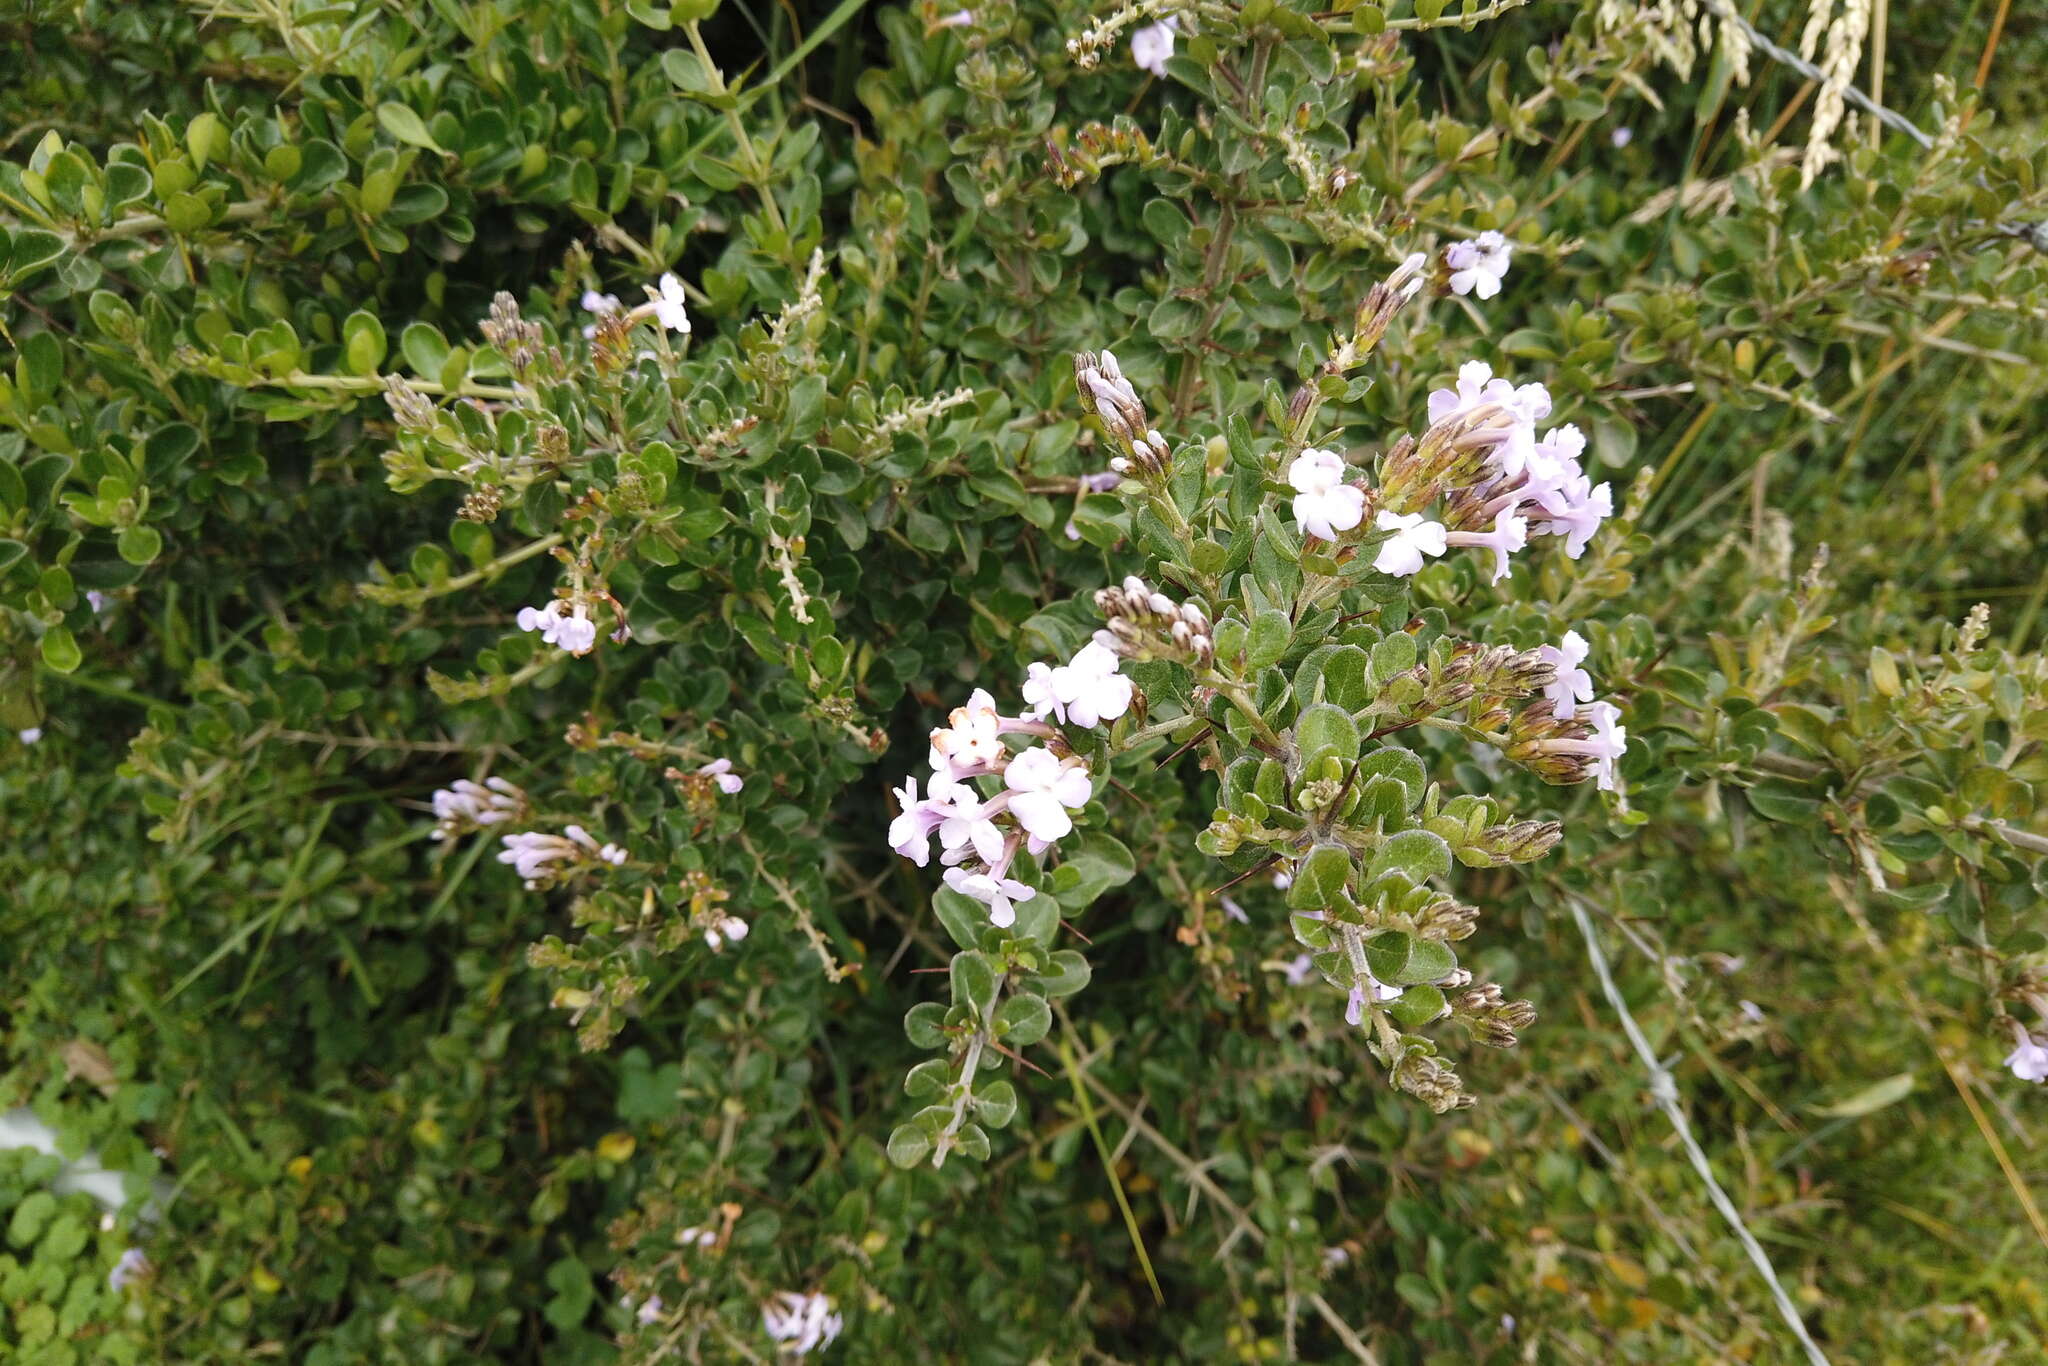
(1889, 118)
(1664, 1090)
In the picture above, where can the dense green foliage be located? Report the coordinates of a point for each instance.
(298, 411)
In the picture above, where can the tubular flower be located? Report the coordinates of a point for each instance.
(1573, 684)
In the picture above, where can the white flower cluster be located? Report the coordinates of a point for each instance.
(1478, 266)
(1573, 685)
(1528, 484)
(1533, 480)
(468, 806)
(981, 838)
(540, 858)
(800, 1323)
(573, 630)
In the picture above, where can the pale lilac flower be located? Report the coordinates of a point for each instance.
(731, 928)
(668, 305)
(967, 823)
(1573, 684)
(534, 855)
(96, 599)
(1235, 911)
(997, 893)
(910, 834)
(1574, 510)
(728, 781)
(468, 804)
(971, 741)
(575, 632)
(959, 18)
(1334, 1257)
(1283, 879)
(1413, 538)
(28, 735)
(1478, 266)
(132, 1267)
(1510, 533)
(1622, 136)
(799, 1323)
(1108, 481)
(1153, 44)
(1610, 741)
(1085, 691)
(1073, 532)
(649, 1311)
(1475, 386)
(2028, 1059)
(1298, 969)
(1042, 788)
(699, 1237)
(1553, 461)
(603, 305)
(1354, 1005)
(1323, 503)
(1751, 1011)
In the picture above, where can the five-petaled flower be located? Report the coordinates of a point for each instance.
(1412, 539)
(1478, 266)
(1042, 788)
(1324, 504)
(1573, 684)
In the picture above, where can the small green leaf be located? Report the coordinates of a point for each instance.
(1870, 1099)
(139, 544)
(908, 1146)
(60, 651)
(1023, 1020)
(1326, 731)
(405, 124)
(974, 979)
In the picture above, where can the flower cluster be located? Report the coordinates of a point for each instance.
(800, 1323)
(541, 858)
(469, 806)
(1143, 623)
(1552, 738)
(1499, 479)
(570, 629)
(981, 836)
(1101, 383)
(1478, 266)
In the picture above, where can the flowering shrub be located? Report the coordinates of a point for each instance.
(715, 684)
